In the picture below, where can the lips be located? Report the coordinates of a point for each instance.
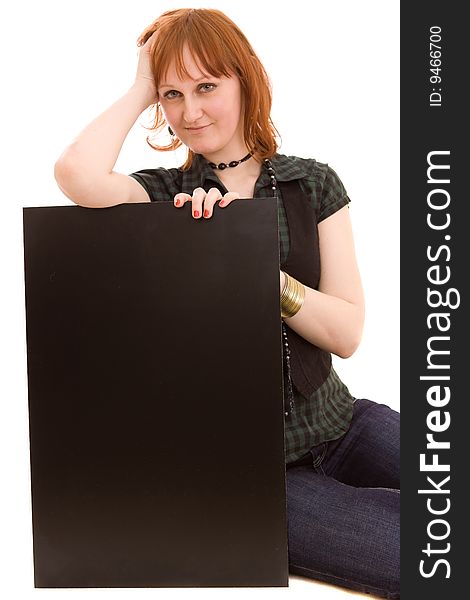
(196, 129)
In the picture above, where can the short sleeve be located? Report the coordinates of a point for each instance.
(160, 184)
(144, 180)
(333, 195)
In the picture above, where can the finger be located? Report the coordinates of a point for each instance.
(198, 197)
(229, 197)
(211, 198)
(181, 199)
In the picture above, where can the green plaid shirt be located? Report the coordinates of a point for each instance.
(326, 415)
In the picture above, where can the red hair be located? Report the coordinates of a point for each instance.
(221, 48)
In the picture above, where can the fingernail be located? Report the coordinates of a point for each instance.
(177, 202)
(221, 203)
(196, 213)
(206, 213)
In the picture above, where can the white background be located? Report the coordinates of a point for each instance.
(335, 73)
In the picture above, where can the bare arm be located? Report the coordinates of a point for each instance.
(84, 171)
(332, 317)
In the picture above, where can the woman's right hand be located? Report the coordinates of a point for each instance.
(144, 75)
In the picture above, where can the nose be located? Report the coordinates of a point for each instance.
(192, 110)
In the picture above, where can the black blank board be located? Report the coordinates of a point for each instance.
(155, 396)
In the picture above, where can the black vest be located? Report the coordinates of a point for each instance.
(310, 365)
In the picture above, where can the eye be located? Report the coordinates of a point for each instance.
(207, 87)
(171, 94)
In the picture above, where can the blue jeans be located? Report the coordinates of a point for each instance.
(343, 506)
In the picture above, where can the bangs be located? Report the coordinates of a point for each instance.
(208, 52)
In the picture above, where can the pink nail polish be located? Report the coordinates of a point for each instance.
(196, 213)
(177, 202)
(206, 213)
(221, 203)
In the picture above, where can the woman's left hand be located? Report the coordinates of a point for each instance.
(200, 197)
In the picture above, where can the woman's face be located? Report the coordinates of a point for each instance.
(205, 112)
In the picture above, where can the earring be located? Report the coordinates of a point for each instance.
(170, 131)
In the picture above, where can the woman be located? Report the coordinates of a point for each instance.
(342, 455)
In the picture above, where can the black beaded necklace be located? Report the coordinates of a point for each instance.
(221, 166)
(233, 163)
(285, 343)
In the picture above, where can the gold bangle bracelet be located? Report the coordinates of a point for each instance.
(292, 297)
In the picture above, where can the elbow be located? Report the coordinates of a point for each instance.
(347, 351)
(348, 347)
(58, 171)
(348, 344)
(63, 174)
(62, 166)
(73, 184)
(69, 175)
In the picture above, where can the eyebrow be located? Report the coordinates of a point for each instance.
(195, 81)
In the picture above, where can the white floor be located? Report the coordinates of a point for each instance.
(301, 586)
